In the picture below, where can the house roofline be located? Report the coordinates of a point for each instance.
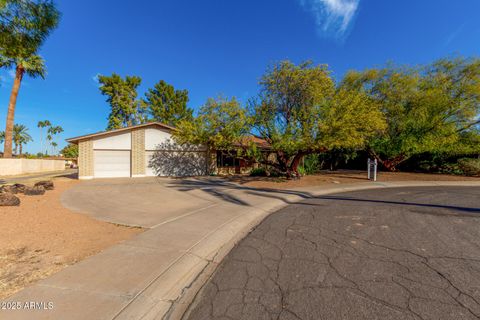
(75, 140)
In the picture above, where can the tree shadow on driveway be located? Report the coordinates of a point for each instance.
(225, 191)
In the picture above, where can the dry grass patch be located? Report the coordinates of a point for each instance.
(40, 237)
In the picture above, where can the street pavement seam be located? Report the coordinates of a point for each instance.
(184, 215)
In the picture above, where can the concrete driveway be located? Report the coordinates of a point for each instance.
(142, 202)
(149, 202)
(408, 253)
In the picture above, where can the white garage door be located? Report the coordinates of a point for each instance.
(175, 163)
(111, 164)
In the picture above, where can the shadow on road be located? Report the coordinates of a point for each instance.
(402, 203)
(224, 190)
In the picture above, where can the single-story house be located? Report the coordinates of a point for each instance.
(149, 150)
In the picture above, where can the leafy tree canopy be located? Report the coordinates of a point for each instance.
(427, 109)
(168, 105)
(70, 151)
(301, 111)
(220, 124)
(126, 109)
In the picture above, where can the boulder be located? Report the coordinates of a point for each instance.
(14, 188)
(8, 199)
(34, 191)
(48, 185)
(19, 187)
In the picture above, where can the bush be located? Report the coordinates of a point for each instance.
(302, 171)
(311, 164)
(469, 166)
(258, 172)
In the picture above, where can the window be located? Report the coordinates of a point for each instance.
(225, 160)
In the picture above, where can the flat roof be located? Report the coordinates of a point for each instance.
(75, 140)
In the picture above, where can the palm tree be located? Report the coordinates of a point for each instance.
(20, 137)
(34, 66)
(51, 132)
(24, 26)
(2, 136)
(41, 125)
(54, 148)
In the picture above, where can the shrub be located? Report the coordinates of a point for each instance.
(302, 171)
(258, 172)
(311, 164)
(469, 166)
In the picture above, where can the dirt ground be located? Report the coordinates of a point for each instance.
(344, 176)
(40, 237)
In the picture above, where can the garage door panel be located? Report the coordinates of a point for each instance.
(175, 163)
(111, 163)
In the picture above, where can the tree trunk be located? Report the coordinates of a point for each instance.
(295, 163)
(282, 160)
(21, 149)
(41, 139)
(391, 164)
(7, 150)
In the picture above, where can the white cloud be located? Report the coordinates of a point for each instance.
(95, 79)
(333, 17)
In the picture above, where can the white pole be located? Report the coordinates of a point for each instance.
(375, 165)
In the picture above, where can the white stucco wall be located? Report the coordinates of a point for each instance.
(9, 167)
(118, 142)
(155, 137)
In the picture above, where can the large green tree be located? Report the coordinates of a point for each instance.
(300, 111)
(167, 104)
(125, 107)
(220, 125)
(24, 26)
(70, 151)
(432, 108)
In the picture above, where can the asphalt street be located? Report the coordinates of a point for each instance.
(404, 253)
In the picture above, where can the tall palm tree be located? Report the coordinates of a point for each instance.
(34, 66)
(41, 125)
(54, 147)
(51, 132)
(24, 26)
(20, 137)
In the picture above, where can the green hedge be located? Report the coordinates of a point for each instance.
(469, 166)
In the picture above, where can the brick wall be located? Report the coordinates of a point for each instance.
(138, 152)
(85, 158)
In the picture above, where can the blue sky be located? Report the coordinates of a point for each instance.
(223, 47)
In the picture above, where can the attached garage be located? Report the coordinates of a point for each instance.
(111, 163)
(137, 151)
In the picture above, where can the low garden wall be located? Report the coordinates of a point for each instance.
(9, 167)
